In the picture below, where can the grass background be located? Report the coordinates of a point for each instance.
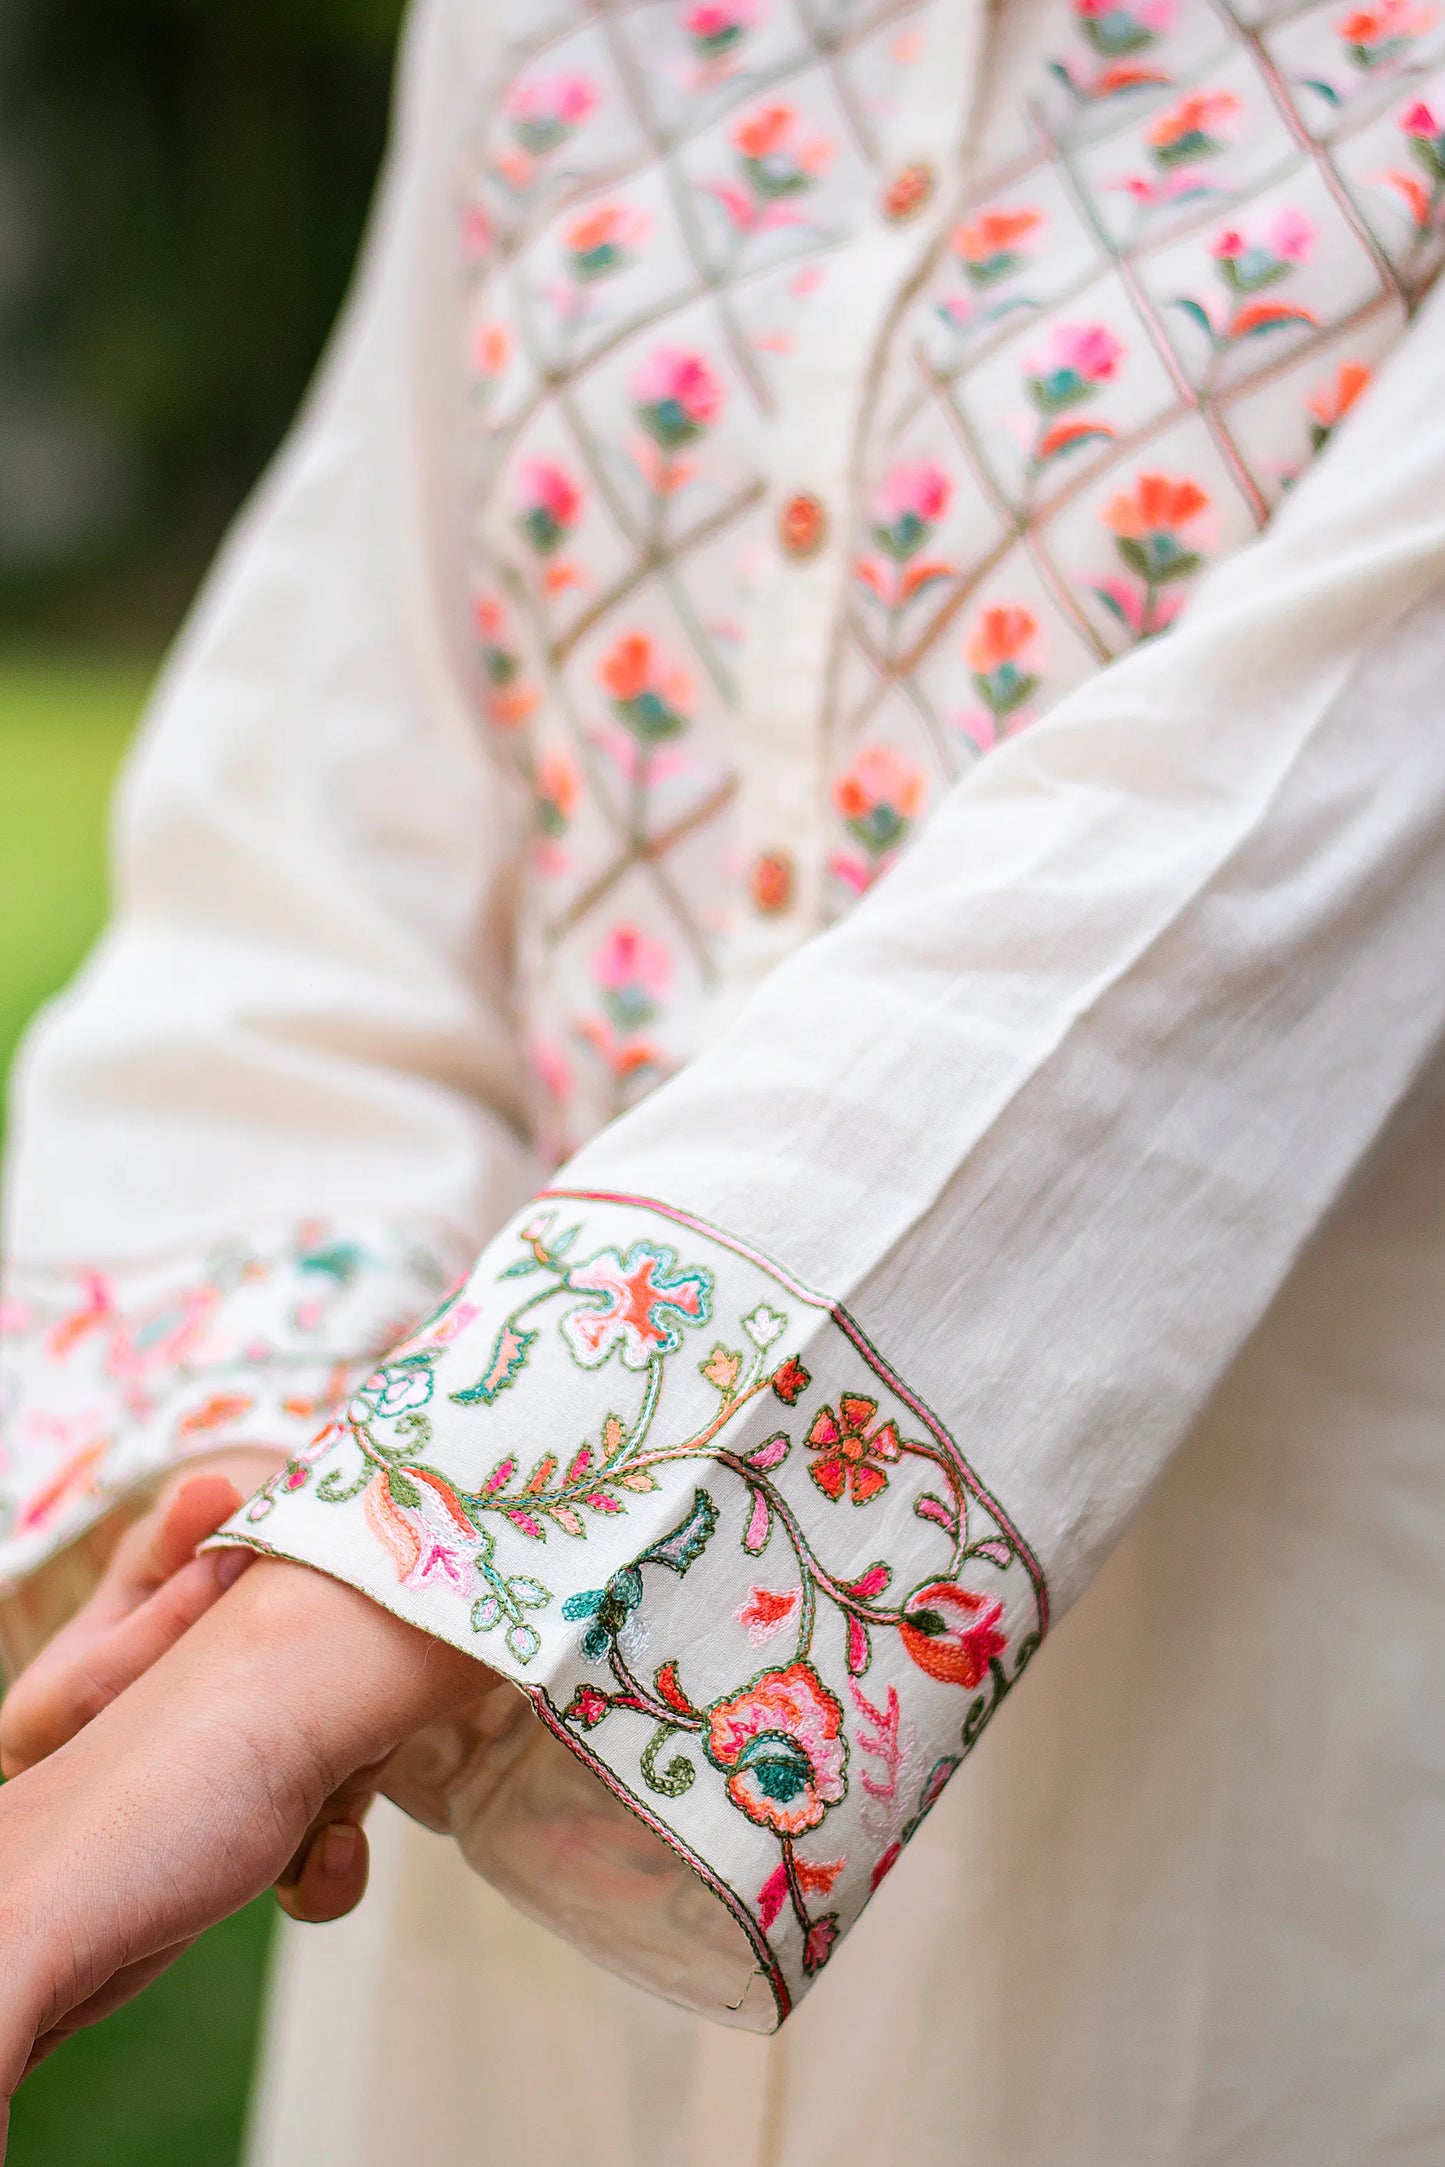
(163, 2083)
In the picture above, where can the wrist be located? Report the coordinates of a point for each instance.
(343, 1679)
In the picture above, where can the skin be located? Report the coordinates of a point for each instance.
(244, 1746)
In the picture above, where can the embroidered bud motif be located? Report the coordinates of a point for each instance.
(771, 882)
(907, 193)
(802, 526)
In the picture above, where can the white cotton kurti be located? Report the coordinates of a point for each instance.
(764, 448)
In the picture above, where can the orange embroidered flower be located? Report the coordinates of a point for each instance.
(1001, 635)
(1332, 402)
(952, 1633)
(802, 526)
(852, 1456)
(1157, 505)
(770, 881)
(1195, 128)
(994, 233)
(651, 699)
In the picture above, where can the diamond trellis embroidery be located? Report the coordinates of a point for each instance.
(1192, 233)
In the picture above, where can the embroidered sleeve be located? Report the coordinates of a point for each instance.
(108, 1377)
(679, 1498)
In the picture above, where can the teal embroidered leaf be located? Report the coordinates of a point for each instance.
(1196, 313)
(687, 1541)
(509, 1356)
(520, 1269)
(586, 1604)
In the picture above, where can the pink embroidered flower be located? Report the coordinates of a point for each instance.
(818, 1942)
(545, 109)
(645, 1304)
(1247, 264)
(1199, 126)
(587, 1707)
(1078, 359)
(677, 397)
(551, 503)
(911, 500)
(633, 969)
(989, 244)
(853, 1457)
(718, 27)
(604, 240)
(1115, 30)
(952, 1633)
(781, 1745)
(904, 512)
(419, 1520)
(651, 698)
(633, 973)
(1424, 133)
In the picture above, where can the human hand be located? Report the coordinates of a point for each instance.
(153, 1589)
(192, 1790)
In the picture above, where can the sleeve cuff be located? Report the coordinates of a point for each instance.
(738, 1566)
(110, 1375)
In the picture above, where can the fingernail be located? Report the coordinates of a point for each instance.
(230, 1564)
(338, 1850)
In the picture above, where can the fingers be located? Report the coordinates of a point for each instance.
(57, 1698)
(328, 1876)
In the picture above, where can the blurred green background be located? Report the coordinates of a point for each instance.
(182, 187)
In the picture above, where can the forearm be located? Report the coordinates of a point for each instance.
(190, 1793)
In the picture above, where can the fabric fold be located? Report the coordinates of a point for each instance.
(678, 1497)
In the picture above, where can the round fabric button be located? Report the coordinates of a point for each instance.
(770, 881)
(802, 526)
(907, 192)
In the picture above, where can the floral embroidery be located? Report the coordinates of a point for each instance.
(852, 1457)
(109, 1376)
(633, 972)
(778, 162)
(781, 1745)
(1148, 523)
(672, 1472)
(643, 1308)
(998, 653)
(628, 339)
(1329, 405)
(879, 797)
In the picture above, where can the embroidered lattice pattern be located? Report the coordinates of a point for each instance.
(1195, 231)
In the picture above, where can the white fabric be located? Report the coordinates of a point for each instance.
(1057, 1114)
